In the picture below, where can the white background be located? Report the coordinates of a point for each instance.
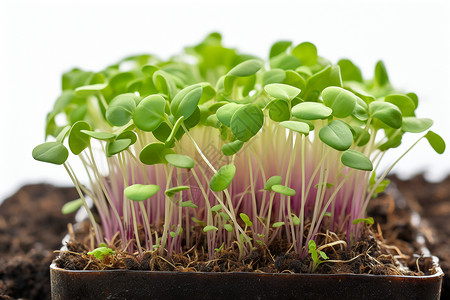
(39, 40)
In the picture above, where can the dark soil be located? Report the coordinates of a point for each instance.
(432, 202)
(31, 227)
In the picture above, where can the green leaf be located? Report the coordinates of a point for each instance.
(117, 146)
(228, 227)
(284, 190)
(173, 234)
(62, 102)
(71, 206)
(307, 53)
(149, 113)
(246, 122)
(62, 134)
(381, 76)
(337, 135)
(327, 185)
(387, 113)
(216, 208)
(208, 92)
(285, 61)
(349, 71)
(435, 141)
(119, 82)
(140, 192)
(416, 125)
(172, 191)
(295, 220)
(148, 70)
(222, 179)
(341, 101)
(186, 101)
(393, 142)
(103, 136)
(78, 141)
(322, 254)
(188, 203)
(201, 223)
(312, 245)
(209, 228)
(220, 248)
(224, 216)
(368, 221)
(180, 161)
(75, 78)
(190, 122)
(360, 110)
(295, 79)
(279, 47)
(356, 160)
(414, 99)
(51, 152)
(282, 91)
(226, 112)
(88, 90)
(274, 180)
(357, 131)
(274, 76)
(100, 252)
(164, 83)
(246, 68)
(121, 109)
(154, 153)
(277, 224)
(329, 76)
(246, 219)
(279, 110)
(311, 111)
(232, 148)
(127, 134)
(403, 102)
(300, 127)
(162, 132)
(382, 186)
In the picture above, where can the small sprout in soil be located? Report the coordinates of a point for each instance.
(317, 256)
(220, 248)
(102, 251)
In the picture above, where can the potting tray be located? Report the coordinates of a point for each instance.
(132, 284)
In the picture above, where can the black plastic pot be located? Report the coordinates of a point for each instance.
(127, 284)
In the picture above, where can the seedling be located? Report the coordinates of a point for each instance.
(228, 150)
(102, 251)
(317, 256)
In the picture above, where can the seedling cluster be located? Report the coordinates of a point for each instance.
(215, 149)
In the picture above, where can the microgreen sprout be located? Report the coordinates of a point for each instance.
(102, 251)
(226, 150)
(317, 256)
(368, 221)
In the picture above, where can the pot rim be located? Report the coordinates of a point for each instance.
(439, 273)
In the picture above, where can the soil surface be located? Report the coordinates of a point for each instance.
(27, 238)
(432, 202)
(31, 227)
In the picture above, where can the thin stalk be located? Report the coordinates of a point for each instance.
(167, 215)
(77, 186)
